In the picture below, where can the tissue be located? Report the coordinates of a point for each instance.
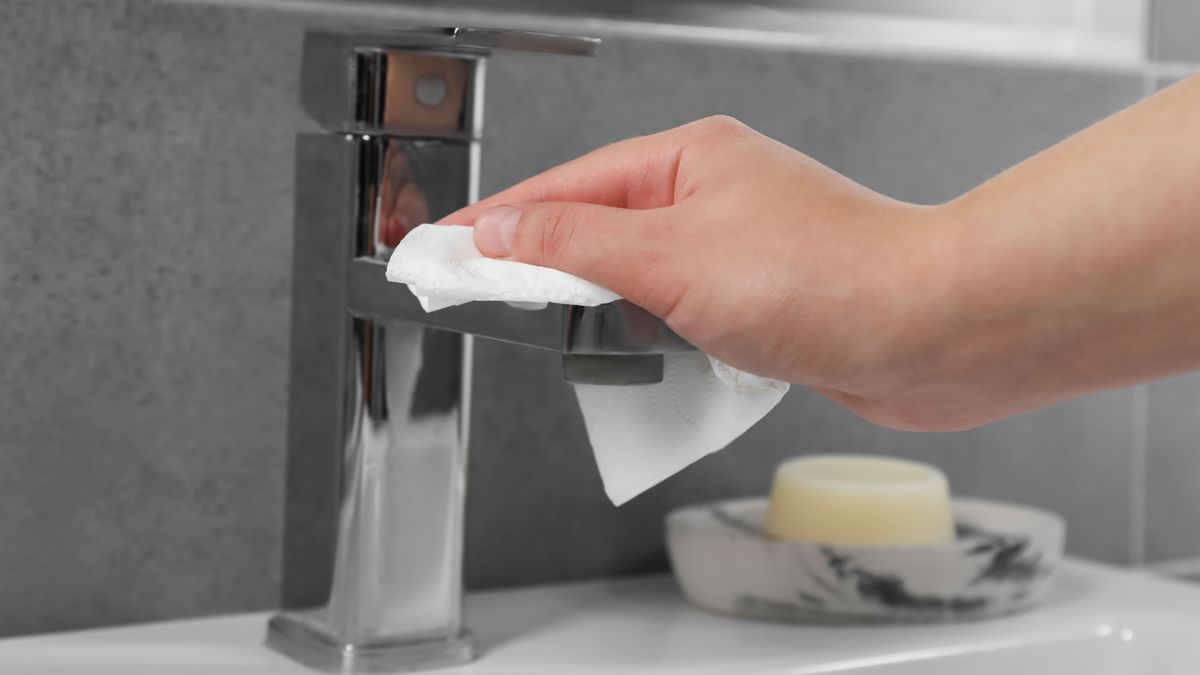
(643, 434)
(640, 434)
(442, 267)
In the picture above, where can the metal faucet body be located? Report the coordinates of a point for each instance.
(379, 404)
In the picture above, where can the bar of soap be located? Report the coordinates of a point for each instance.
(856, 500)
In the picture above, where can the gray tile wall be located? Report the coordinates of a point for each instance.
(1175, 30)
(145, 198)
(144, 261)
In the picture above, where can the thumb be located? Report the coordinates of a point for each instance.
(613, 247)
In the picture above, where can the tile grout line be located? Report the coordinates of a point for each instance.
(1139, 446)
(1151, 32)
(1151, 71)
(1140, 401)
(1149, 80)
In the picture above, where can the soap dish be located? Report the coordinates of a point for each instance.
(1002, 561)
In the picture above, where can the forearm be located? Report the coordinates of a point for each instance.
(1078, 269)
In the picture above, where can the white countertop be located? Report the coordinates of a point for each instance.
(1097, 620)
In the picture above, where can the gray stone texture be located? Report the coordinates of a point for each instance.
(145, 209)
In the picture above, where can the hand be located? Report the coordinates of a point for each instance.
(1071, 272)
(748, 249)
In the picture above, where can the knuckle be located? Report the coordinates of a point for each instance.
(557, 228)
(722, 124)
(709, 134)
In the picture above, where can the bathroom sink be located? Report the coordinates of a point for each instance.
(1098, 620)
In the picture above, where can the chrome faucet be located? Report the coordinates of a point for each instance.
(379, 407)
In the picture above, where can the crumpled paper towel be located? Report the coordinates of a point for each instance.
(640, 434)
(443, 268)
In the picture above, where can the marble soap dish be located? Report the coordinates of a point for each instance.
(1002, 562)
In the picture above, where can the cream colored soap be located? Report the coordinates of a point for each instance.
(858, 500)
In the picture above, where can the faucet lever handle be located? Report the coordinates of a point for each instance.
(616, 370)
(416, 83)
(524, 41)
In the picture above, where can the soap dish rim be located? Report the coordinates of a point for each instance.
(1052, 524)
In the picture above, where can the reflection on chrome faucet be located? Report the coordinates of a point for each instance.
(401, 435)
(401, 206)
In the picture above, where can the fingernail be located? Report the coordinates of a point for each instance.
(496, 229)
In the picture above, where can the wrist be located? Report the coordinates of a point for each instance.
(972, 342)
(931, 302)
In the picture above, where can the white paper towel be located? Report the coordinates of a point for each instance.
(443, 268)
(640, 434)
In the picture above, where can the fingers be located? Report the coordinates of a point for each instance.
(638, 173)
(616, 248)
(608, 216)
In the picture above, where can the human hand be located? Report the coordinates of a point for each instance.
(1071, 272)
(748, 249)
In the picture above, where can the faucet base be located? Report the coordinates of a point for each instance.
(297, 640)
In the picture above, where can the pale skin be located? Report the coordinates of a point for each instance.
(1074, 271)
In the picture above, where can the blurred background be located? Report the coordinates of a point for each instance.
(145, 260)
